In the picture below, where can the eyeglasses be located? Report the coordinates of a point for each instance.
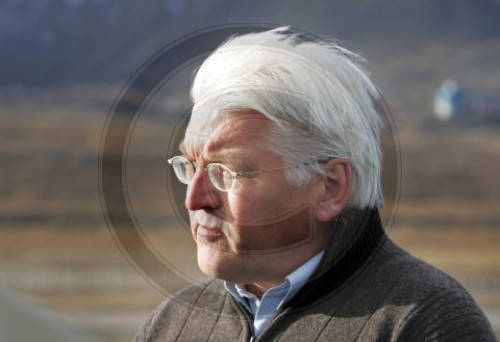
(219, 175)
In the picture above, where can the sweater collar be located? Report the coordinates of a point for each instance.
(356, 235)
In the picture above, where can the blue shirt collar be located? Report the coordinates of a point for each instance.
(265, 309)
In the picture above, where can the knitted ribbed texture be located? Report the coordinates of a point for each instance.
(365, 289)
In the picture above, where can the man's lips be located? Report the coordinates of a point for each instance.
(208, 233)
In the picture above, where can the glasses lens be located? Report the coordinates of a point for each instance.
(184, 169)
(220, 176)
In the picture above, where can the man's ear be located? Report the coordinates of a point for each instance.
(337, 189)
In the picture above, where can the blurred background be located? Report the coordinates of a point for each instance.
(63, 64)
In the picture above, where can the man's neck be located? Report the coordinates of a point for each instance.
(259, 289)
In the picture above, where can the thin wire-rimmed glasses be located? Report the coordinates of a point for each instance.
(219, 175)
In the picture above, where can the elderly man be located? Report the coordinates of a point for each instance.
(282, 163)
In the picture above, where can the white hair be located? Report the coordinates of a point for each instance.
(322, 102)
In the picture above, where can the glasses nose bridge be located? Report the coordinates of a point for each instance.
(188, 178)
(206, 176)
(201, 193)
(198, 168)
(211, 177)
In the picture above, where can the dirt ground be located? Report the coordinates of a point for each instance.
(56, 248)
(82, 275)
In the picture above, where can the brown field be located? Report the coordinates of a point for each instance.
(56, 248)
(82, 275)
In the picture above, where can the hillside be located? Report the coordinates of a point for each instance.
(72, 41)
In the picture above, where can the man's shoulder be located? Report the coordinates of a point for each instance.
(201, 296)
(413, 275)
(190, 313)
(406, 280)
(209, 287)
(425, 299)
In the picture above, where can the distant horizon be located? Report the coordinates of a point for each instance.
(89, 41)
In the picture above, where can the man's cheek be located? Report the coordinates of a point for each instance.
(258, 210)
(280, 234)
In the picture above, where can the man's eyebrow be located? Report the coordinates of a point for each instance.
(218, 157)
(225, 158)
(231, 159)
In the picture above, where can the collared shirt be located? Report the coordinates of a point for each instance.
(265, 309)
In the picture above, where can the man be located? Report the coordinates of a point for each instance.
(282, 163)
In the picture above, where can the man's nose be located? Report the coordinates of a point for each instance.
(201, 194)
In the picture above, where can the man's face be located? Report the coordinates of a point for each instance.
(264, 227)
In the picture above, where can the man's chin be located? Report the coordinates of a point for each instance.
(213, 263)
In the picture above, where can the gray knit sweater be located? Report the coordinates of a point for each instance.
(365, 289)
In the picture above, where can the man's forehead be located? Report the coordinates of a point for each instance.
(217, 129)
